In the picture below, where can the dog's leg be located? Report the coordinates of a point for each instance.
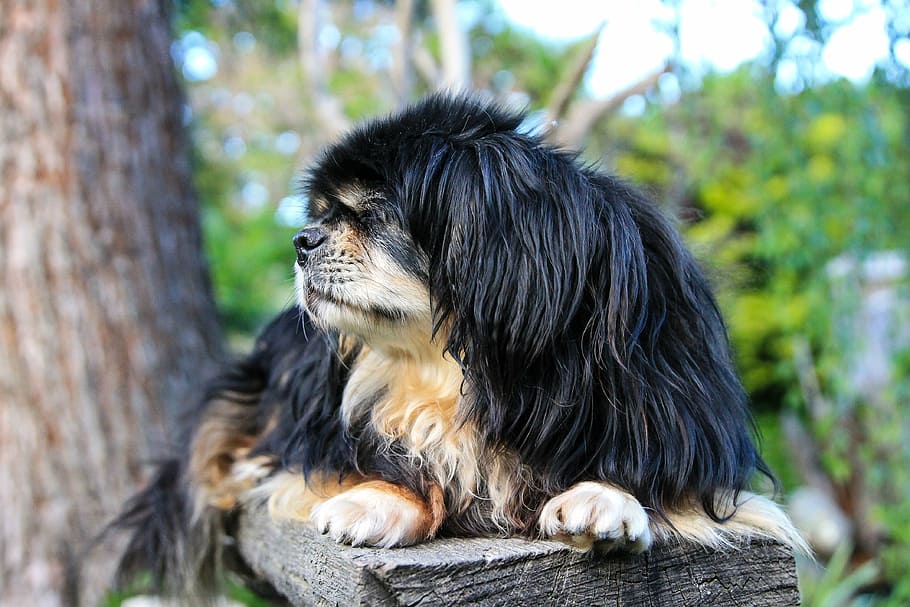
(356, 511)
(595, 512)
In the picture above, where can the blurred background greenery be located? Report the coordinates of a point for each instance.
(788, 169)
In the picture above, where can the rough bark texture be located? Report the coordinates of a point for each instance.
(105, 312)
(312, 570)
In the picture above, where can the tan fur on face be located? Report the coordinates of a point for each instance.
(356, 198)
(350, 278)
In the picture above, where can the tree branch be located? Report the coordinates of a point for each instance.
(456, 56)
(328, 109)
(402, 80)
(426, 66)
(568, 85)
(803, 448)
(819, 406)
(582, 117)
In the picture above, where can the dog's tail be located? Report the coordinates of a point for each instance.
(753, 517)
(178, 523)
(167, 542)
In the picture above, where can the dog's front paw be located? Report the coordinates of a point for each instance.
(598, 514)
(376, 513)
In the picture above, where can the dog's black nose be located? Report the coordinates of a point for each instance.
(308, 240)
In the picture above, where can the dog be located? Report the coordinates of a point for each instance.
(492, 339)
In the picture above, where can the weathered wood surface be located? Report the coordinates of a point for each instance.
(311, 569)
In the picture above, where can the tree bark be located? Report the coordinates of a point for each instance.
(106, 315)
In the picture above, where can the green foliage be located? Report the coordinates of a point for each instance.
(838, 585)
(234, 591)
(248, 246)
(247, 597)
(774, 448)
(193, 15)
(252, 273)
(890, 455)
(276, 19)
(772, 188)
(114, 599)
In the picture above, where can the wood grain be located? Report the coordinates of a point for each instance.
(310, 569)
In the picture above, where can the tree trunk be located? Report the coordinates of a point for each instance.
(106, 315)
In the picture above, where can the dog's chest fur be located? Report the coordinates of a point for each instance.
(419, 404)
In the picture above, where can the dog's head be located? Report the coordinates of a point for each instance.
(588, 337)
(358, 269)
(446, 217)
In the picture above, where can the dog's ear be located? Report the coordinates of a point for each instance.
(494, 259)
(590, 340)
(512, 234)
(509, 265)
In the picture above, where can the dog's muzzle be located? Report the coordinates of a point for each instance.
(308, 240)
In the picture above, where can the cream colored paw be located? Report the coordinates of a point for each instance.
(592, 513)
(373, 514)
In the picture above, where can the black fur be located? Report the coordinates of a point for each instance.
(588, 336)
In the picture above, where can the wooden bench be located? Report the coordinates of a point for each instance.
(310, 569)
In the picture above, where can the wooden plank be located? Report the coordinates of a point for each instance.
(311, 569)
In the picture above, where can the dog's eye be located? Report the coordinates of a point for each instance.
(337, 212)
(379, 215)
(324, 215)
(370, 215)
(366, 211)
(374, 210)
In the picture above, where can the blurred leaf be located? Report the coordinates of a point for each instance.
(838, 585)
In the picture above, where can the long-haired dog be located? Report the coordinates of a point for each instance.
(492, 339)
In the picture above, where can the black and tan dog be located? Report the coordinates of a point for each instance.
(492, 339)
